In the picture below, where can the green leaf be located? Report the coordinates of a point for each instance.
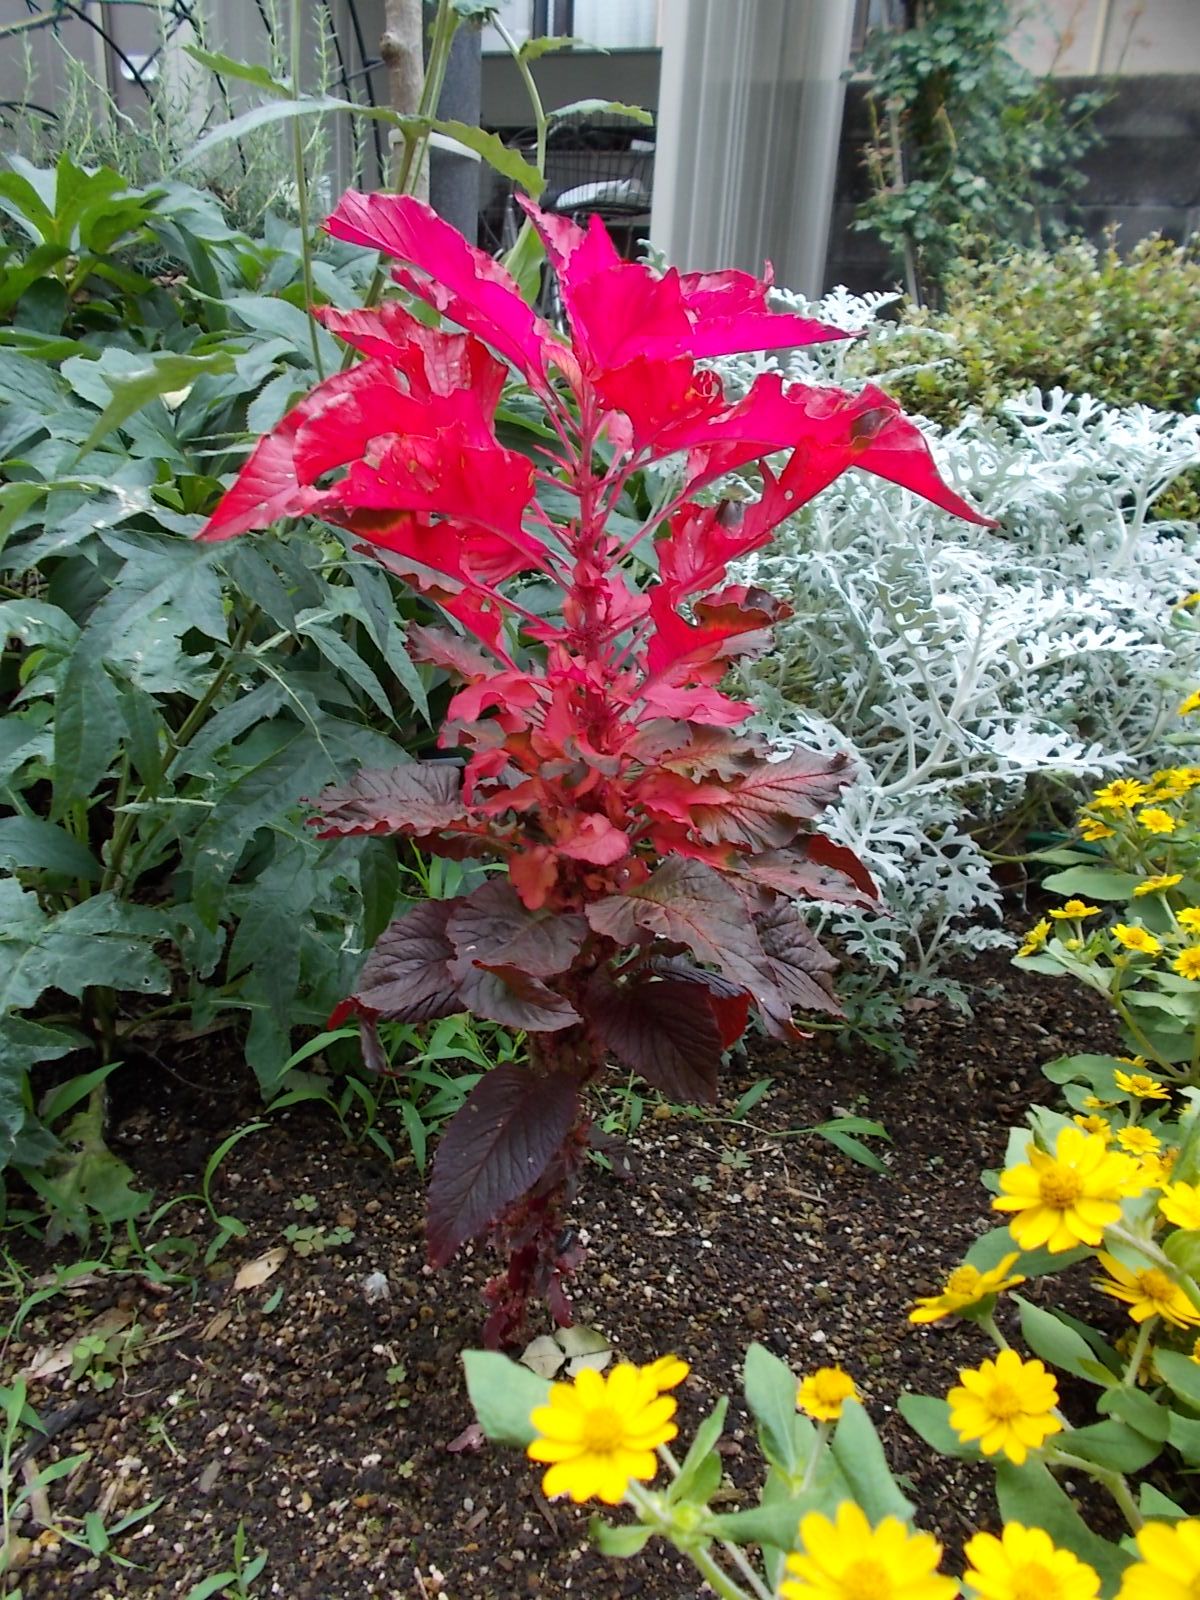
(774, 1524)
(618, 1542)
(508, 162)
(1112, 1444)
(991, 1248)
(860, 1456)
(771, 1395)
(87, 731)
(280, 111)
(614, 108)
(32, 842)
(1094, 1070)
(703, 1447)
(1154, 1503)
(1051, 1339)
(930, 1418)
(1181, 1374)
(1030, 1495)
(504, 1394)
(1182, 1246)
(533, 49)
(243, 71)
(1093, 883)
(156, 374)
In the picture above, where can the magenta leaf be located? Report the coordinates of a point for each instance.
(407, 976)
(763, 811)
(417, 799)
(491, 926)
(494, 1150)
(661, 1028)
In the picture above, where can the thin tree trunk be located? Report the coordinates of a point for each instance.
(402, 49)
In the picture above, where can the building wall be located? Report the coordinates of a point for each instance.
(1144, 178)
(1077, 38)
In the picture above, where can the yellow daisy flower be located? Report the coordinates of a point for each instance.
(1187, 962)
(1092, 830)
(1137, 939)
(848, 1559)
(1007, 1405)
(1180, 1204)
(1035, 938)
(1094, 1124)
(1139, 1141)
(1068, 1198)
(1189, 918)
(1170, 1564)
(601, 1431)
(1140, 1084)
(966, 1286)
(823, 1393)
(1192, 703)
(1156, 885)
(1119, 795)
(1155, 820)
(1195, 1352)
(1023, 1563)
(1148, 1293)
(1092, 1103)
(1073, 911)
(1155, 1171)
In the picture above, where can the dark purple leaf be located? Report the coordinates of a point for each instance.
(407, 976)
(493, 927)
(417, 799)
(494, 1150)
(662, 1028)
(814, 868)
(765, 808)
(796, 960)
(690, 904)
(510, 997)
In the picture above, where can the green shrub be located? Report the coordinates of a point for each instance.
(1124, 329)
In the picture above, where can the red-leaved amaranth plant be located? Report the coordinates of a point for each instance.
(654, 857)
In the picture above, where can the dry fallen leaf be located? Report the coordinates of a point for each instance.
(54, 1359)
(471, 1438)
(257, 1272)
(217, 1326)
(543, 1356)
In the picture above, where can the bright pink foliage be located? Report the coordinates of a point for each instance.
(601, 765)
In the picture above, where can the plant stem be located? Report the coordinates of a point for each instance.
(714, 1575)
(731, 1550)
(1138, 1351)
(988, 1324)
(1114, 1482)
(300, 167)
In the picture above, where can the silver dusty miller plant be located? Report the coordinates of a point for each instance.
(958, 665)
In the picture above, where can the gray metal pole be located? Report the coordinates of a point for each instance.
(454, 179)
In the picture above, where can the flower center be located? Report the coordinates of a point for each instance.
(1004, 1401)
(865, 1580)
(603, 1430)
(963, 1280)
(1155, 1285)
(1059, 1188)
(1034, 1582)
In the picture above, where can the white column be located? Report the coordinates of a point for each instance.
(750, 112)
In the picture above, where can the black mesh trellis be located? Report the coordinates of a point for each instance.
(353, 77)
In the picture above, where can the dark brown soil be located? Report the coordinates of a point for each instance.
(328, 1425)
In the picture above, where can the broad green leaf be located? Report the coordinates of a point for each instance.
(243, 71)
(617, 1542)
(533, 49)
(504, 1394)
(279, 111)
(1112, 1444)
(43, 846)
(1051, 1339)
(771, 1395)
(1181, 1373)
(860, 1456)
(1095, 883)
(508, 162)
(1090, 1069)
(155, 374)
(930, 1417)
(1154, 1503)
(612, 108)
(87, 731)
(1030, 1495)
(991, 1248)
(774, 1524)
(703, 1445)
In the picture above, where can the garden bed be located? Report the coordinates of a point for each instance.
(332, 1426)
